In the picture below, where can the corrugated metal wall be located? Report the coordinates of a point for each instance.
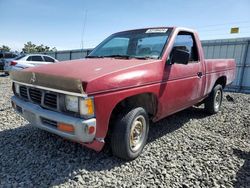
(237, 49)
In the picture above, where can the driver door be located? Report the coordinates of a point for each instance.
(181, 82)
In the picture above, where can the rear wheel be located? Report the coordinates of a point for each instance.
(214, 100)
(130, 134)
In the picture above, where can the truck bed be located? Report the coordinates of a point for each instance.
(216, 68)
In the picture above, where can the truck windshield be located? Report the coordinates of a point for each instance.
(143, 43)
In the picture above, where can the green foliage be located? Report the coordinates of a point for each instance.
(5, 48)
(29, 47)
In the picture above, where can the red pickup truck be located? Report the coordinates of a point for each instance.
(132, 77)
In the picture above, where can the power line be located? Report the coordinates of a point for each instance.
(221, 30)
(225, 35)
(222, 24)
(225, 27)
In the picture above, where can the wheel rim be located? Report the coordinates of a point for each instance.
(137, 133)
(217, 99)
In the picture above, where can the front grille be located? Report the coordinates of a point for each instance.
(35, 95)
(49, 122)
(44, 98)
(50, 100)
(24, 92)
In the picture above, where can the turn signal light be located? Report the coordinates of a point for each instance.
(90, 106)
(65, 127)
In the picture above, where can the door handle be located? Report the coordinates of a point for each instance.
(199, 74)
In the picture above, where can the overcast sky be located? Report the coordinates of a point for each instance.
(60, 23)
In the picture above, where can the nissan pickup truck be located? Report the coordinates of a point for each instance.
(130, 79)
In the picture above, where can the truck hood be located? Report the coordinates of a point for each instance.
(99, 75)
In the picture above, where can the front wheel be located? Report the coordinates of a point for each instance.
(130, 134)
(214, 100)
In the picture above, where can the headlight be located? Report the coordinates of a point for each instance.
(71, 103)
(84, 106)
(17, 88)
(87, 107)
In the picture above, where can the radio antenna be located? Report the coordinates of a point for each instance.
(83, 27)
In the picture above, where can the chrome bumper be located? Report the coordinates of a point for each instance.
(35, 115)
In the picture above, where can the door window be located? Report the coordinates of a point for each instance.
(185, 41)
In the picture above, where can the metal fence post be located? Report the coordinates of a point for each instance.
(70, 55)
(244, 66)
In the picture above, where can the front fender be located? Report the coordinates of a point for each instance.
(106, 102)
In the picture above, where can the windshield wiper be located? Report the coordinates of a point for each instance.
(119, 56)
(94, 56)
(114, 56)
(143, 57)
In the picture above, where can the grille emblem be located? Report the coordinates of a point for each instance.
(33, 78)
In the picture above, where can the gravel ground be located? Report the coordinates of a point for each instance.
(188, 149)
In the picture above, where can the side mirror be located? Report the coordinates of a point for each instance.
(179, 56)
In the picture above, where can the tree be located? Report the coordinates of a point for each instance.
(5, 48)
(29, 47)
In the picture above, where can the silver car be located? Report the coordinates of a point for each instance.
(30, 60)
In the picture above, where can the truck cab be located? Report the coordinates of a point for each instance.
(130, 79)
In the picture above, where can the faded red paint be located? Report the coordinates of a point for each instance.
(112, 80)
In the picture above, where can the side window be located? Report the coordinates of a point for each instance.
(35, 58)
(29, 58)
(185, 41)
(48, 59)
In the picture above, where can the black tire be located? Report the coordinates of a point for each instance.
(214, 100)
(121, 135)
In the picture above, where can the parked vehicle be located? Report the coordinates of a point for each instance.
(132, 77)
(30, 60)
(5, 58)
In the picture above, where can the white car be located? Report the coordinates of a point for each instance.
(26, 61)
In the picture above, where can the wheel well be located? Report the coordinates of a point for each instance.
(146, 100)
(222, 81)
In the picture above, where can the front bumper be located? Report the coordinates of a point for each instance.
(36, 114)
